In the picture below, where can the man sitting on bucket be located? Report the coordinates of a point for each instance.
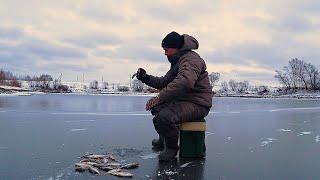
(185, 92)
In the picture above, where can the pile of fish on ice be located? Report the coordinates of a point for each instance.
(104, 165)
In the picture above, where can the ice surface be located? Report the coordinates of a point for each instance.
(78, 130)
(150, 156)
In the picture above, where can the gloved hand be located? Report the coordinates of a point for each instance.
(142, 75)
(152, 103)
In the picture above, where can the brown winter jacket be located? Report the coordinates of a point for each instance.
(187, 80)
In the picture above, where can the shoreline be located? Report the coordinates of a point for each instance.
(15, 91)
(287, 96)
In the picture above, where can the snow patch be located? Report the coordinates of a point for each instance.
(291, 109)
(284, 130)
(305, 133)
(268, 141)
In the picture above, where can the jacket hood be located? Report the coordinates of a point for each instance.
(190, 43)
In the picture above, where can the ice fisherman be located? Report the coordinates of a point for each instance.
(185, 92)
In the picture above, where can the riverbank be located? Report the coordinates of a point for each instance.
(12, 91)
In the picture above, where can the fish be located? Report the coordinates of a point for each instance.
(80, 167)
(111, 157)
(93, 156)
(129, 166)
(93, 170)
(90, 163)
(114, 170)
(108, 168)
(113, 164)
(121, 174)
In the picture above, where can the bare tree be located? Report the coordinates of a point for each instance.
(214, 78)
(233, 85)
(298, 75)
(242, 87)
(224, 86)
(313, 76)
(2, 77)
(283, 78)
(262, 90)
(45, 80)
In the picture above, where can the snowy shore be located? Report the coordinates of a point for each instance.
(293, 95)
(16, 91)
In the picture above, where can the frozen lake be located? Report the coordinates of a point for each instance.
(42, 136)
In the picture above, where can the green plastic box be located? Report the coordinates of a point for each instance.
(192, 143)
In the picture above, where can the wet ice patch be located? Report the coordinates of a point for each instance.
(267, 141)
(305, 133)
(75, 130)
(150, 156)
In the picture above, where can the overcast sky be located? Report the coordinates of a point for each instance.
(241, 39)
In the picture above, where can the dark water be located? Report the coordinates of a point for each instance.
(42, 136)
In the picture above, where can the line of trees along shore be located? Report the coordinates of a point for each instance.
(297, 75)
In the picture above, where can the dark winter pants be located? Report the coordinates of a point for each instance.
(169, 116)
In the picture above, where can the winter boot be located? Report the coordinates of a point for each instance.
(170, 150)
(168, 154)
(158, 144)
